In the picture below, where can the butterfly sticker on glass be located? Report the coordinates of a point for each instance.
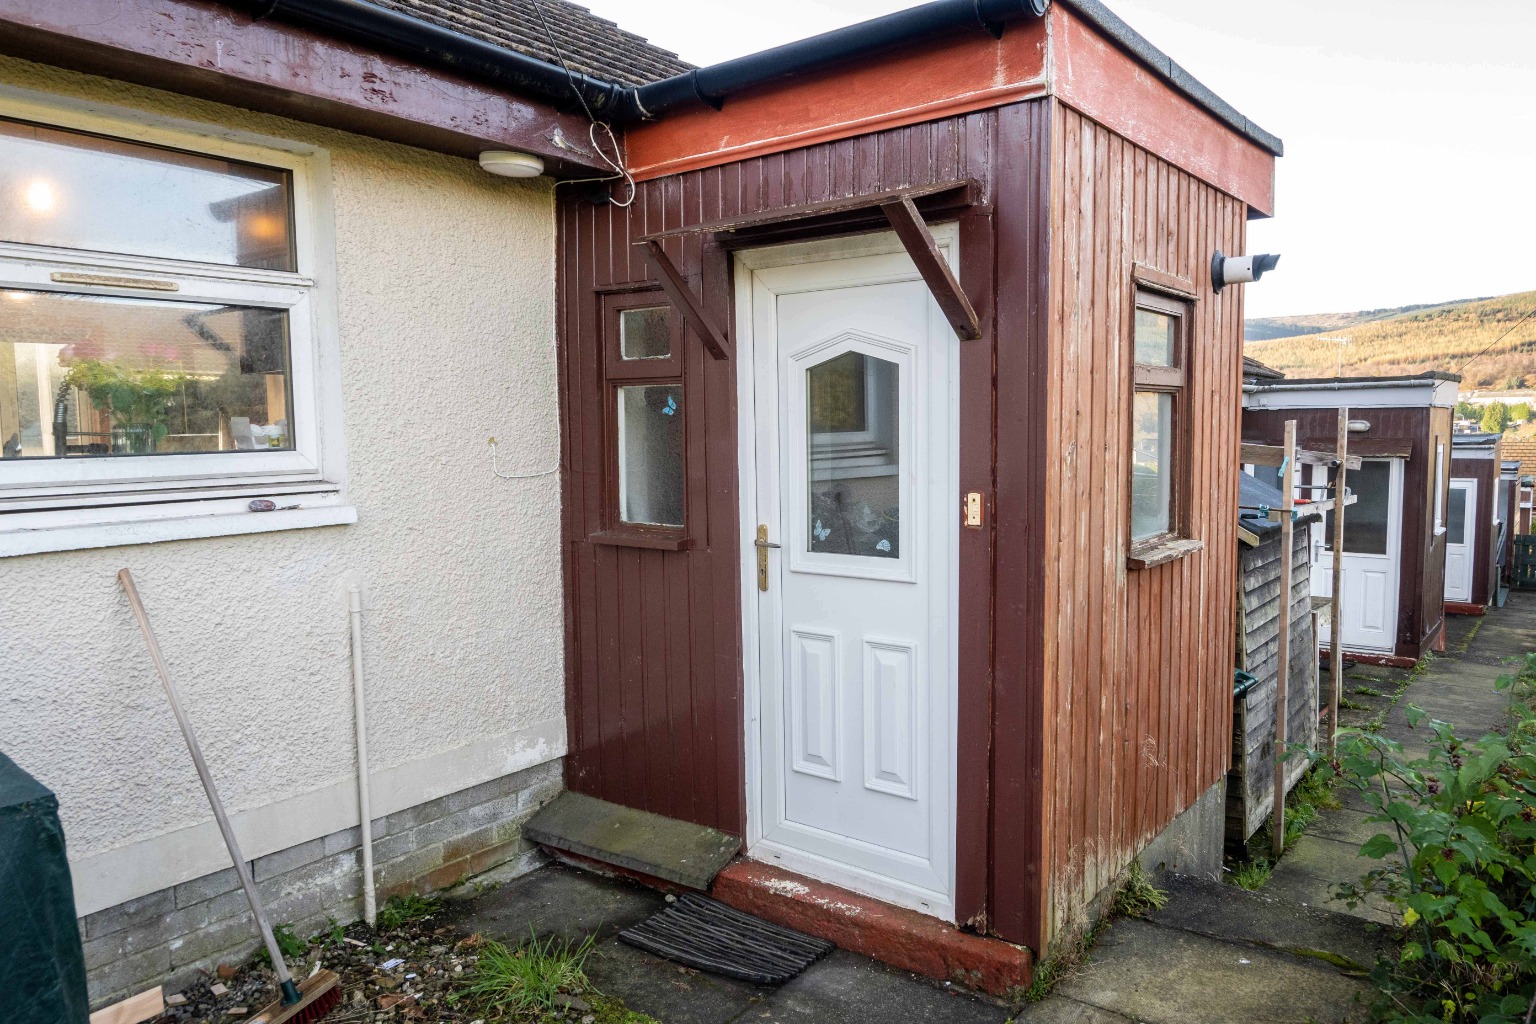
(670, 409)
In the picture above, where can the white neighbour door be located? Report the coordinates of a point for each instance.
(1460, 540)
(850, 461)
(1372, 551)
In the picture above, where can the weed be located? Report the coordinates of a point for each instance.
(401, 909)
(1458, 827)
(288, 944)
(1066, 960)
(1367, 691)
(529, 980)
(1252, 874)
(1346, 704)
(334, 935)
(1138, 895)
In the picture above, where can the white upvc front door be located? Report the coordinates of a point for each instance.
(1373, 530)
(849, 451)
(1461, 526)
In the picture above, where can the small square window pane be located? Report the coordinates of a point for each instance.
(645, 333)
(80, 191)
(651, 454)
(1151, 465)
(101, 376)
(1155, 334)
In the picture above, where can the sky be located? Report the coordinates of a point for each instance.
(1409, 127)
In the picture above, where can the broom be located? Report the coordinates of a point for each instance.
(299, 1003)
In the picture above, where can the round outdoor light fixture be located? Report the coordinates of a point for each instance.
(511, 164)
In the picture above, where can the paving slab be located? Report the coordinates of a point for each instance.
(666, 848)
(1312, 869)
(1222, 911)
(557, 900)
(1059, 1009)
(1166, 976)
(670, 993)
(846, 988)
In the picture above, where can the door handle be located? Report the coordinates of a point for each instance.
(762, 543)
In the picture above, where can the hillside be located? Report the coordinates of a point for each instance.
(1411, 339)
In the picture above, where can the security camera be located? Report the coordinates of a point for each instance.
(1227, 270)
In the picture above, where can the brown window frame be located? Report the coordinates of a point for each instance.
(1171, 380)
(617, 372)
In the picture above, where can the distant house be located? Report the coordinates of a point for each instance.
(1253, 370)
(1395, 535)
(1475, 524)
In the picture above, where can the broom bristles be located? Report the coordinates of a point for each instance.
(318, 996)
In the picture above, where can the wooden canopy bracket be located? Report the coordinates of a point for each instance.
(924, 250)
(687, 303)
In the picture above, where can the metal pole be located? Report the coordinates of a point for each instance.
(1335, 620)
(242, 869)
(1282, 701)
(359, 705)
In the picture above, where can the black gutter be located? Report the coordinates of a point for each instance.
(713, 84)
(405, 36)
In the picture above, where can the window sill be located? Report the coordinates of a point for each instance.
(152, 524)
(1162, 552)
(636, 539)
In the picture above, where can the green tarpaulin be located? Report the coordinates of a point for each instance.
(42, 969)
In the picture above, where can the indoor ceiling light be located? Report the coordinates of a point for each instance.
(40, 196)
(511, 164)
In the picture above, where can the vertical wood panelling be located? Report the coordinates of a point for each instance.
(1137, 663)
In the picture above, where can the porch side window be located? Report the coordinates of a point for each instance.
(647, 415)
(1157, 412)
(155, 323)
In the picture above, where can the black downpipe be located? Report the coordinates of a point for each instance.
(409, 37)
(713, 84)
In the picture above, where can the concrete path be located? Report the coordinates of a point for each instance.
(1215, 955)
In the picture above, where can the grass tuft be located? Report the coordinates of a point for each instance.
(400, 909)
(1252, 875)
(528, 981)
(1138, 895)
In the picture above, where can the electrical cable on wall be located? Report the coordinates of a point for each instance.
(496, 471)
(616, 161)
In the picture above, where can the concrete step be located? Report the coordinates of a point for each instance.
(1222, 911)
(637, 842)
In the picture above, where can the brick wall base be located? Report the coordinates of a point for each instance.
(167, 937)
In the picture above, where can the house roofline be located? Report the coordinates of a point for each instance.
(420, 40)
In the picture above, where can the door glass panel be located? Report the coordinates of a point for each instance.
(1365, 522)
(645, 333)
(82, 191)
(1456, 519)
(101, 376)
(651, 454)
(1151, 446)
(854, 458)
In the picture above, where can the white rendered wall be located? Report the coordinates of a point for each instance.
(445, 296)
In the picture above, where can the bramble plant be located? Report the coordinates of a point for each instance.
(1458, 864)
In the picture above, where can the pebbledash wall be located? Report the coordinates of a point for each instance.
(443, 289)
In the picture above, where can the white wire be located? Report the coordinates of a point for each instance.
(495, 471)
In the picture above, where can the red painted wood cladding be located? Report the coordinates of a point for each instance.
(1136, 673)
(1094, 701)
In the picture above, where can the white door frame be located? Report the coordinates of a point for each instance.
(747, 262)
(1470, 527)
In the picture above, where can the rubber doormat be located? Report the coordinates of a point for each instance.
(699, 932)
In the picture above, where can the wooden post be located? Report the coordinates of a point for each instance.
(1335, 619)
(1282, 701)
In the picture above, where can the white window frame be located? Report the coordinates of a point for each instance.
(68, 496)
(1442, 484)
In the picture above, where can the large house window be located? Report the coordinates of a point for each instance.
(157, 322)
(1157, 419)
